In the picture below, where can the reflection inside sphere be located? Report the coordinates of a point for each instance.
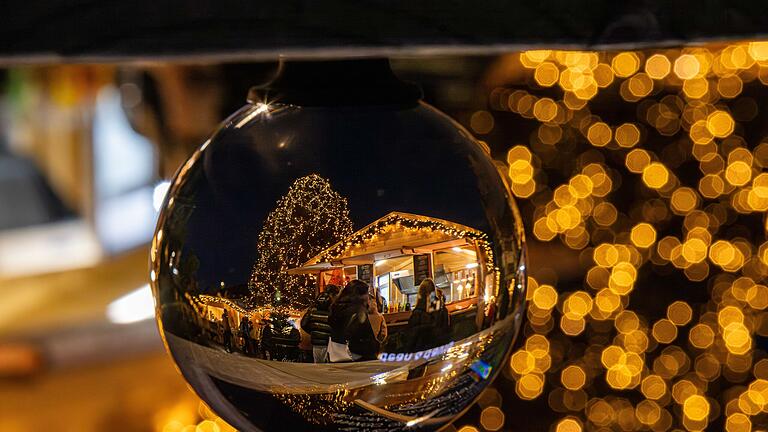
(340, 269)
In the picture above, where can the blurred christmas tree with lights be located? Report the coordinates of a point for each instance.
(643, 172)
(309, 218)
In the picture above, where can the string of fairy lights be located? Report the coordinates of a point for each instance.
(404, 222)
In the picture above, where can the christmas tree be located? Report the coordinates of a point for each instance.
(308, 219)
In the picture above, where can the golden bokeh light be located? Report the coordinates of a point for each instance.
(658, 66)
(643, 235)
(655, 175)
(546, 74)
(625, 64)
(573, 377)
(492, 418)
(627, 135)
(687, 66)
(664, 331)
(569, 425)
(599, 134)
(696, 407)
(653, 387)
(679, 313)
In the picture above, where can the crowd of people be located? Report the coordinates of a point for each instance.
(342, 325)
(348, 325)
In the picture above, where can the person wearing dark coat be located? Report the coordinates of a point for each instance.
(226, 331)
(245, 333)
(350, 324)
(425, 319)
(315, 322)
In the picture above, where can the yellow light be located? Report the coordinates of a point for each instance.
(711, 186)
(640, 85)
(684, 200)
(612, 356)
(607, 301)
(687, 66)
(694, 250)
(207, 426)
(572, 326)
(679, 313)
(529, 386)
(626, 322)
(738, 422)
(577, 305)
(627, 135)
(738, 173)
(643, 235)
(730, 315)
(569, 424)
(625, 64)
(522, 362)
(648, 412)
(696, 88)
(737, 338)
(492, 418)
(701, 336)
(603, 75)
(546, 74)
(720, 124)
(545, 110)
(520, 171)
(655, 175)
(599, 134)
(606, 255)
(696, 407)
(664, 331)
(533, 57)
(653, 387)
(519, 152)
(545, 297)
(622, 279)
(573, 377)
(538, 345)
(657, 66)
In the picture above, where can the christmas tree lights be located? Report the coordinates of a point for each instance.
(310, 217)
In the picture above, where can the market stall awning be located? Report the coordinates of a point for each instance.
(395, 234)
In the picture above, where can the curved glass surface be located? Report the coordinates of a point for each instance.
(345, 268)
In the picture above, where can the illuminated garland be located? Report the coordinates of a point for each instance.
(310, 217)
(396, 222)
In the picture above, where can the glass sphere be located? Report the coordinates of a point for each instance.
(354, 263)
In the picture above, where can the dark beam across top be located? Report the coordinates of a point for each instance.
(53, 31)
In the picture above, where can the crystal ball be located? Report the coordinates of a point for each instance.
(353, 263)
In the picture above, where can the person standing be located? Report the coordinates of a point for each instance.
(441, 319)
(315, 322)
(378, 323)
(226, 331)
(245, 333)
(421, 326)
(352, 336)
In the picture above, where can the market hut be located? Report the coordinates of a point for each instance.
(396, 252)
